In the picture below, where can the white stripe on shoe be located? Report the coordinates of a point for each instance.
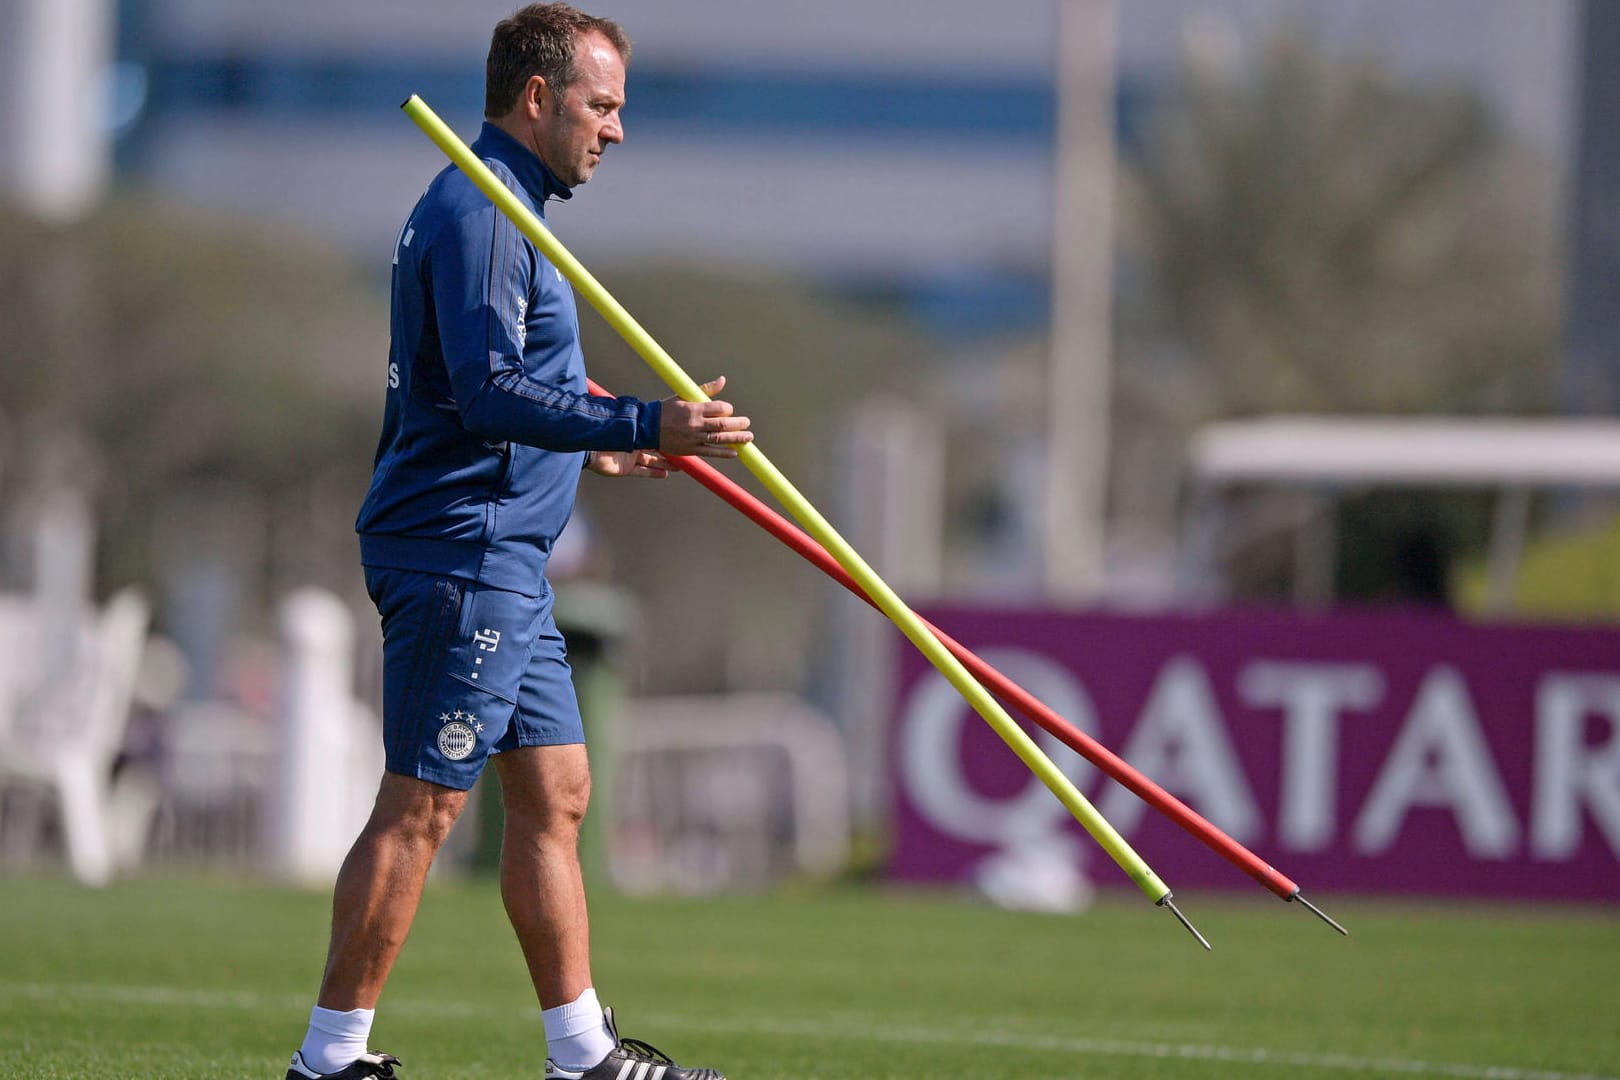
(658, 1073)
(625, 1072)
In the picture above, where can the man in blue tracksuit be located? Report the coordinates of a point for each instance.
(487, 428)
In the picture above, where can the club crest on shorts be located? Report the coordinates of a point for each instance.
(457, 739)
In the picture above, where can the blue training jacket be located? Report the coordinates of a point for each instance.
(487, 418)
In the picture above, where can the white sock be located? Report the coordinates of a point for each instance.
(577, 1034)
(335, 1039)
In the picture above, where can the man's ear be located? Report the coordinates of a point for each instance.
(536, 96)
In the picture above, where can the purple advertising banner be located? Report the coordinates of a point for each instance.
(1390, 753)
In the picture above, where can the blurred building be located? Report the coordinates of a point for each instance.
(855, 141)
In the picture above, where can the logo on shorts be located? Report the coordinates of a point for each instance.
(456, 740)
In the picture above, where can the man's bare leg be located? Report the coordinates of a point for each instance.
(545, 790)
(380, 886)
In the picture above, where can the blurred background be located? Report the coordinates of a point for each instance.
(1240, 375)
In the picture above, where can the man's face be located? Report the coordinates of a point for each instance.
(575, 127)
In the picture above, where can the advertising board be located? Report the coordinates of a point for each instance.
(1378, 753)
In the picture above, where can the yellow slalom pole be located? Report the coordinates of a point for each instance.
(800, 507)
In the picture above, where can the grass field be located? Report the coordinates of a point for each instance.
(200, 978)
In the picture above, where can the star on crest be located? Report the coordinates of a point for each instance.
(444, 718)
(460, 715)
(478, 726)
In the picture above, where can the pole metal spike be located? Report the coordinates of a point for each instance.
(1165, 902)
(1319, 913)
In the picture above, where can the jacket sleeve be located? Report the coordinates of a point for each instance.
(480, 269)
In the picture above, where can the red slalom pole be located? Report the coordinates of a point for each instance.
(1032, 707)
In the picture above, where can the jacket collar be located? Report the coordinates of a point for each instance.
(530, 171)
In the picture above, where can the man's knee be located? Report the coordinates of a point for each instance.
(571, 799)
(416, 810)
(547, 790)
(558, 810)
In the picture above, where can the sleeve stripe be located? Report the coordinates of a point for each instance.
(504, 252)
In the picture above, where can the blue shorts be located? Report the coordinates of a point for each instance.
(468, 671)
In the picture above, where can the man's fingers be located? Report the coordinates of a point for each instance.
(709, 427)
(702, 410)
(728, 438)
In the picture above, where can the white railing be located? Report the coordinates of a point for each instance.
(724, 792)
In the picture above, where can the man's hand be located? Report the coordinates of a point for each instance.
(704, 429)
(628, 463)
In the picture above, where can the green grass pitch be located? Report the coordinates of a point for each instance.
(196, 977)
